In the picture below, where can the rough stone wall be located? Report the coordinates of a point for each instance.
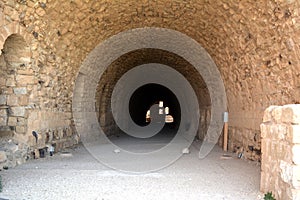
(245, 142)
(280, 166)
(27, 89)
(253, 43)
(264, 67)
(16, 81)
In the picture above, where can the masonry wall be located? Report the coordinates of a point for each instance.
(254, 45)
(280, 166)
(29, 100)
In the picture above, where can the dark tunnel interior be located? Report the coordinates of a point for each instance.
(147, 95)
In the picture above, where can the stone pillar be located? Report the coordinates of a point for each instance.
(280, 163)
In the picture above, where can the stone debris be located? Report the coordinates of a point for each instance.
(117, 151)
(12, 153)
(66, 154)
(185, 151)
(3, 156)
(226, 157)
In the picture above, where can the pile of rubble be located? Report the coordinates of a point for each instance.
(12, 153)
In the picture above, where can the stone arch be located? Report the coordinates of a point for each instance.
(16, 76)
(157, 38)
(143, 56)
(13, 28)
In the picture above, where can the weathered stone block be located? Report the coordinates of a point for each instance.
(40, 11)
(10, 82)
(18, 111)
(23, 100)
(9, 91)
(25, 71)
(12, 100)
(264, 128)
(282, 130)
(24, 80)
(21, 90)
(2, 81)
(20, 129)
(12, 121)
(3, 112)
(280, 153)
(12, 13)
(265, 147)
(22, 121)
(291, 114)
(3, 121)
(286, 171)
(3, 99)
(276, 114)
(268, 114)
(3, 157)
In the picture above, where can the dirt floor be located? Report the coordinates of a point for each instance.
(75, 174)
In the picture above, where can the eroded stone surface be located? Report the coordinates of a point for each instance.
(280, 165)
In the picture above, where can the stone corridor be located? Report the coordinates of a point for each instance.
(69, 69)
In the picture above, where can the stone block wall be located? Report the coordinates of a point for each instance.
(54, 128)
(24, 92)
(14, 86)
(245, 142)
(280, 166)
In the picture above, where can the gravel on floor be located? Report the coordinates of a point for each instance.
(77, 175)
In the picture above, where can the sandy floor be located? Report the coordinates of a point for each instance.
(78, 175)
